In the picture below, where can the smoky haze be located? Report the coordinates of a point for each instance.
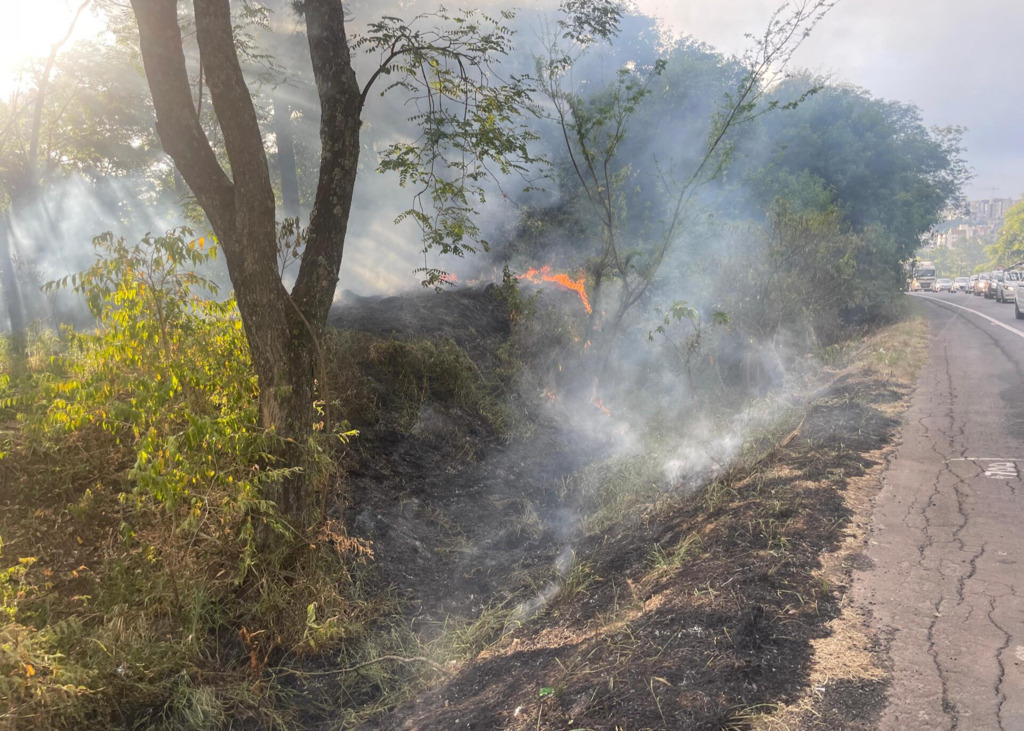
(954, 60)
(703, 239)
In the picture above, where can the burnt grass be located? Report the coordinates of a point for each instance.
(707, 638)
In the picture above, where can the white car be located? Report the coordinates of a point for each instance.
(1007, 284)
(1018, 303)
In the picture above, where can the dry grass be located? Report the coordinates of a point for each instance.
(848, 653)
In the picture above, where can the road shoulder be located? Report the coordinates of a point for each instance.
(851, 671)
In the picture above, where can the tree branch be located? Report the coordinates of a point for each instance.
(236, 115)
(37, 117)
(341, 103)
(177, 125)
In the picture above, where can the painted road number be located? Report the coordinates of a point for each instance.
(1001, 471)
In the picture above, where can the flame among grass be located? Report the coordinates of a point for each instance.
(562, 280)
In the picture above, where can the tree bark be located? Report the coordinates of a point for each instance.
(286, 166)
(12, 297)
(282, 329)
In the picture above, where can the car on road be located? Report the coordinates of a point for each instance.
(1018, 303)
(995, 279)
(960, 284)
(1007, 283)
(942, 284)
(972, 284)
(981, 286)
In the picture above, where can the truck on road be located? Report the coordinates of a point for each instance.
(924, 277)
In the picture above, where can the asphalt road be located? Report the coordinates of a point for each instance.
(947, 543)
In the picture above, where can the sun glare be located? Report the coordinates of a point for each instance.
(28, 30)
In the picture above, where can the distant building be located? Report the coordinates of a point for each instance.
(993, 209)
(981, 220)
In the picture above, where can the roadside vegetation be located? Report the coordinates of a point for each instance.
(1008, 248)
(719, 606)
(593, 487)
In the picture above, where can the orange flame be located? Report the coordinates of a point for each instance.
(562, 280)
(596, 400)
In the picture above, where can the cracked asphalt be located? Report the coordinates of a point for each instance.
(946, 583)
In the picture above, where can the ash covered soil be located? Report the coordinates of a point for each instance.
(699, 609)
(459, 516)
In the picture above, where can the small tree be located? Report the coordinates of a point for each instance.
(470, 123)
(688, 342)
(593, 128)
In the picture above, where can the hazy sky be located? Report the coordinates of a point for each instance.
(958, 61)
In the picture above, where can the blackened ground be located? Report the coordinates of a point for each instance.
(460, 517)
(474, 317)
(449, 535)
(708, 640)
(698, 612)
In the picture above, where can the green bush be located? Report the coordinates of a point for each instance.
(203, 588)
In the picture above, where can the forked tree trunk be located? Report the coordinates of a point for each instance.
(282, 328)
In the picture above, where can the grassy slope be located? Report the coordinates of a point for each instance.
(700, 609)
(720, 609)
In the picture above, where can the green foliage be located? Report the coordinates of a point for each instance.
(878, 160)
(688, 343)
(641, 192)
(1009, 246)
(167, 372)
(471, 120)
(965, 257)
(819, 273)
(12, 585)
(587, 21)
(194, 552)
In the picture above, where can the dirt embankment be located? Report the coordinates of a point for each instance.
(457, 495)
(721, 608)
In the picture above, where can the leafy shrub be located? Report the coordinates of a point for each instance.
(202, 587)
(166, 370)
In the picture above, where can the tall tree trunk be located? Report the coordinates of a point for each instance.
(286, 166)
(12, 297)
(283, 329)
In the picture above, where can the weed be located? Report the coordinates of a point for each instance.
(191, 590)
(608, 490)
(770, 533)
(412, 386)
(578, 579)
(718, 495)
(662, 560)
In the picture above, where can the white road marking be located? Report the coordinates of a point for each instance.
(985, 459)
(1006, 327)
(1000, 468)
(1002, 471)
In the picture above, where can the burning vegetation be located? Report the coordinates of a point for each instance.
(229, 502)
(579, 286)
